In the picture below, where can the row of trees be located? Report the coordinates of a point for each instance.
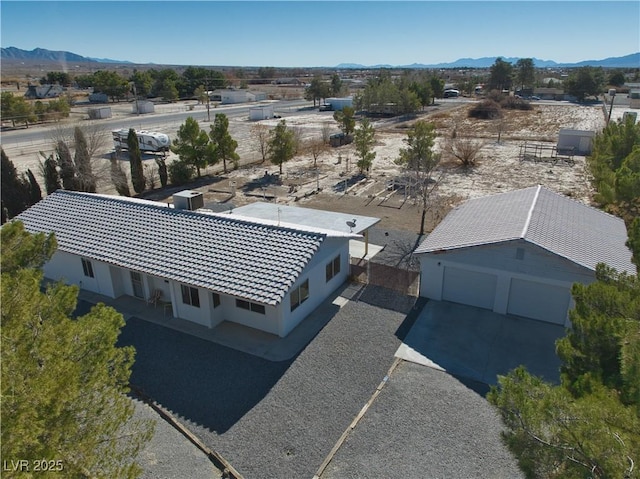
(319, 90)
(404, 95)
(166, 83)
(582, 82)
(19, 110)
(589, 424)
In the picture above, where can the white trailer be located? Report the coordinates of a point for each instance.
(147, 140)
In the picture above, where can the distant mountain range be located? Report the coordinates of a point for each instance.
(41, 54)
(628, 61)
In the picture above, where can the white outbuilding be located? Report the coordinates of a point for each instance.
(520, 252)
(263, 112)
(337, 104)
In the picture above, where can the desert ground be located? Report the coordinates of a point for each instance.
(335, 183)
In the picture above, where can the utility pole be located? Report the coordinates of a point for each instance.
(612, 94)
(135, 95)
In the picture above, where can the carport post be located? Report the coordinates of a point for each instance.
(366, 242)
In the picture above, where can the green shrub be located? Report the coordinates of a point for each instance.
(180, 172)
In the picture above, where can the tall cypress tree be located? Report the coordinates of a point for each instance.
(68, 172)
(33, 188)
(14, 191)
(50, 174)
(82, 161)
(135, 161)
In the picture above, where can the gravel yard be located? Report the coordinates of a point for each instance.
(272, 420)
(425, 424)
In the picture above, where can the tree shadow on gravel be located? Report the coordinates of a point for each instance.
(197, 380)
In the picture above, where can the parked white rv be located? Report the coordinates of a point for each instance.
(147, 140)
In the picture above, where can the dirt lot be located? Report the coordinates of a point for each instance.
(499, 169)
(342, 188)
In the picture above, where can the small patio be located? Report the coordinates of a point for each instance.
(235, 336)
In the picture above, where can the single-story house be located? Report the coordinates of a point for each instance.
(520, 252)
(207, 267)
(43, 91)
(546, 93)
(230, 95)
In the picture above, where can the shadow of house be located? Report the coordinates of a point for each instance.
(200, 381)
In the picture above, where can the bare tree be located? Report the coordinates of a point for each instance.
(315, 147)
(260, 136)
(326, 132)
(464, 149)
(420, 159)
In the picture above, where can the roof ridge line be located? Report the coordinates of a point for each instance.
(530, 214)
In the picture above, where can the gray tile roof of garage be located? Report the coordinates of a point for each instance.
(559, 224)
(248, 259)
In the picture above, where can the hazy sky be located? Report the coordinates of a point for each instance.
(324, 33)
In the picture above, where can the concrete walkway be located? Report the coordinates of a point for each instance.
(478, 344)
(235, 336)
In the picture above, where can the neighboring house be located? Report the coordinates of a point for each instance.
(520, 252)
(228, 96)
(43, 91)
(209, 267)
(549, 93)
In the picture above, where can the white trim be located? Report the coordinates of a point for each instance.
(530, 214)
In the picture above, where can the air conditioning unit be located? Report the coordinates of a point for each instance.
(188, 200)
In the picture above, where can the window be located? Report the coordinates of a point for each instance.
(256, 308)
(299, 295)
(216, 300)
(333, 268)
(87, 267)
(190, 296)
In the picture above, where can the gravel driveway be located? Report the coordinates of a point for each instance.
(272, 420)
(425, 424)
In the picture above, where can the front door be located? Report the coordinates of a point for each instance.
(136, 282)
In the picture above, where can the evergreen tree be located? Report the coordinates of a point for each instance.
(193, 146)
(50, 173)
(364, 139)
(64, 380)
(281, 144)
(119, 178)
(162, 171)
(222, 142)
(135, 162)
(86, 178)
(68, 172)
(346, 119)
(14, 190)
(35, 193)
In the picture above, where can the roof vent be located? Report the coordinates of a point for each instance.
(188, 200)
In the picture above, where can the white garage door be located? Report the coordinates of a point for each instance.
(541, 301)
(469, 287)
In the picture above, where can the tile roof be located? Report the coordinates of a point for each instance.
(249, 259)
(561, 225)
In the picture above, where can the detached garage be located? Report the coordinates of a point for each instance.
(520, 252)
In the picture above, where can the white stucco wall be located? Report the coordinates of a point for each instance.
(319, 287)
(68, 268)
